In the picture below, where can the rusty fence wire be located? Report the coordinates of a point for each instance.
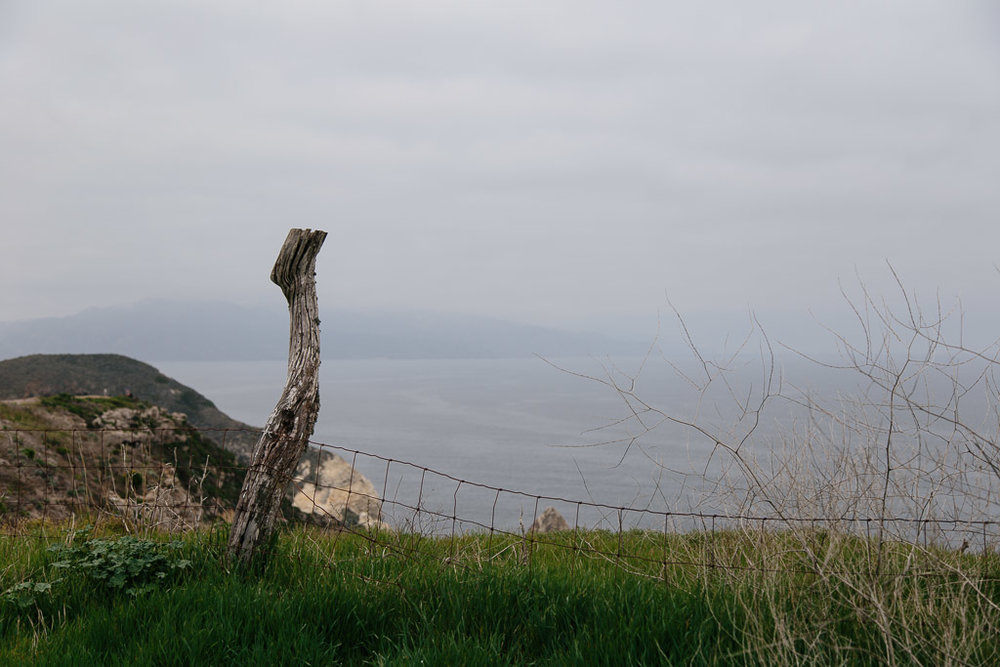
(186, 479)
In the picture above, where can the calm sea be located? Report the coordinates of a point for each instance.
(518, 424)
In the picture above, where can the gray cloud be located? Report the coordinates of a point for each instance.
(544, 163)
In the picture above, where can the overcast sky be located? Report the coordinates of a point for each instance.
(547, 162)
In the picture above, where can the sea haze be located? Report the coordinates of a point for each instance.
(211, 330)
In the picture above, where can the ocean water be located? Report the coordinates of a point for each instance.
(528, 426)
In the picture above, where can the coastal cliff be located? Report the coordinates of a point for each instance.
(109, 433)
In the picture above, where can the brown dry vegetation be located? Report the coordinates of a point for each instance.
(63, 455)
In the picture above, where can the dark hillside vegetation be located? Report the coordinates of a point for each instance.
(41, 375)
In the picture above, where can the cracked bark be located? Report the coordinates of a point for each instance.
(286, 434)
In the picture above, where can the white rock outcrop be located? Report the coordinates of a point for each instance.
(549, 521)
(328, 490)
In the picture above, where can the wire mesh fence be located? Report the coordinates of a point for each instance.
(164, 478)
(186, 479)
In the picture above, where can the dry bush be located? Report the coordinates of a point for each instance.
(884, 495)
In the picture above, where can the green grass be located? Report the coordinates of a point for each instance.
(322, 598)
(90, 408)
(21, 417)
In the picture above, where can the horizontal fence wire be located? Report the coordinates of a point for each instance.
(177, 479)
(170, 478)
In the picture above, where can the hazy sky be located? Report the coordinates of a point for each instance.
(541, 161)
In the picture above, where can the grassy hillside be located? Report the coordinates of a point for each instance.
(723, 598)
(113, 375)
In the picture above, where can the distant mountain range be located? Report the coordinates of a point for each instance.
(221, 331)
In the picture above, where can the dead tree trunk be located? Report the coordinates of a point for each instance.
(286, 435)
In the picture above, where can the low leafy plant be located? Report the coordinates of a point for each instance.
(123, 564)
(27, 594)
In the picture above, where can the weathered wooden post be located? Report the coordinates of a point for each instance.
(286, 435)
